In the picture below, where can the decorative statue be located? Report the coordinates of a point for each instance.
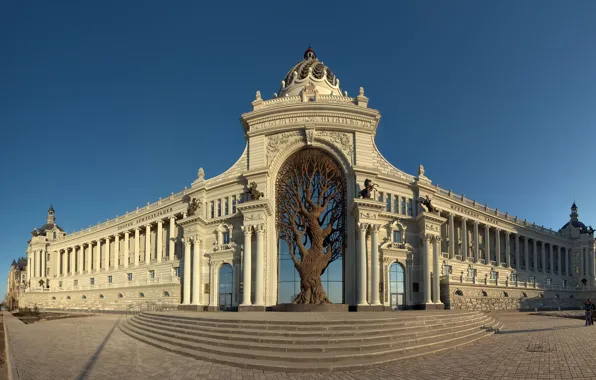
(35, 233)
(253, 193)
(193, 206)
(367, 192)
(590, 230)
(201, 174)
(427, 204)
(420, 171)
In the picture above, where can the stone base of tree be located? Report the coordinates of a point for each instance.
(251, 308)
(310, 307)
(370, 308)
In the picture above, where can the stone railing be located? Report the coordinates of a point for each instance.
(136, 282)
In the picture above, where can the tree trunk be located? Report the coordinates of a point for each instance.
(311, 287)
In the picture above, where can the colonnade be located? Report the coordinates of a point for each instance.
(36, 264)
(500, 254)
(84, 258)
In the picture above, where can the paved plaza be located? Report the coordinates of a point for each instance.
(530, 347)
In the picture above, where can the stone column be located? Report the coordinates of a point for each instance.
(451, 237)
(30, 267)
(73, 255)
(196, 272)
(508, 248)
(64, 264)
(80, 259)
(582, 269)
(247, 266)
(126, 242)
(552, 259)
(172, 239)
(517, 255)
(159, 240)
(591, 261)
(436, 271)
(426, 268)
(116, 251)
(186, 290)
(543, 255)
(464, 239)
(527, 253)
(374, 262)
(56, 263)
(535, 254)
(487, 244)
(476, 243)
(362, 227)
(259, 264)
(106, 255)
(44, 263)
(98, 256)
(498, 246)
(137, 247)
(559, 262)
(148, 244)
(88, 257)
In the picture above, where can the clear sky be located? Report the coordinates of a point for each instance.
(107, 105)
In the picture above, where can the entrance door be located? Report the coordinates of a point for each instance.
(226, 286)
(397, 286)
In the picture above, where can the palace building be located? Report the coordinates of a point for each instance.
(234, 241)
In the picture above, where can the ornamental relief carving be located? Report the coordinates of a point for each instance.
(276, 142)
(342, 140)
(316, 118)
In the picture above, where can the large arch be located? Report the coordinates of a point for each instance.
(311, 223)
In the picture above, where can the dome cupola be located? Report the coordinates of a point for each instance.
(312, 72)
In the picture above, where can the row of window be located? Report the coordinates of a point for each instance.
(111, 278)
(120, 295)
(221, 207)
(397, 204)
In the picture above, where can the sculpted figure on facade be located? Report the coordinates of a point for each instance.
(253, 193)
(369, 187)
(193, 206)
(426, 203)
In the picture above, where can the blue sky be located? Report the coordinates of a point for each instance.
(105, 106)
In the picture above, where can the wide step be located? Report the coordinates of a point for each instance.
(324, 348)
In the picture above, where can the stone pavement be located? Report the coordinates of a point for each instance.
(530, 347)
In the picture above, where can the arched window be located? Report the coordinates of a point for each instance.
(84, 297)
(226, 287)
(67, 297)
(54, 235)
(397, 288)
(459, 292)
(120, 295)
(141, 294)
(484, 293)
(101, 296)
(505, 294)
(166, 294)
(53, 298)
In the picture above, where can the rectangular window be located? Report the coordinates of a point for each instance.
(388, 202)
(380, 199)
(76, 282)
(410, 211)
(212, 209)
(152, 274)
(513, 277)
(129, 276)
(403, 205)
(548, 281)
(177, 271)
(494, 275)
(219, 207)
(396, 204)
(59, 284)
(226, 206)
(92, 280)
(233, 204)
(109, 279)
(226, 238)
(397, 236)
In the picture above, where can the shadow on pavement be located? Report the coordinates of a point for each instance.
(91, 362)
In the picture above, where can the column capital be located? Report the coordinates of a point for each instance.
(362, 226)
(137, 229)
(464, 219)
(259, 228)
(428, 237)
(508, 233)
(187, 241)
(375, 227)
(159, 221)
(247, 229)
(438, 239)
(476, 223)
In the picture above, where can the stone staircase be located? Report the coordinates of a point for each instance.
(310, 345)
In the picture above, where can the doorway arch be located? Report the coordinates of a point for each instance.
(226, 287)
(397, 286)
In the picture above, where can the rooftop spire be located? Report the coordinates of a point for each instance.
(51, 218)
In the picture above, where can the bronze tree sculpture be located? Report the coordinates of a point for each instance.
(311, 217)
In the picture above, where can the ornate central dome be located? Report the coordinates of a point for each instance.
(310, 71)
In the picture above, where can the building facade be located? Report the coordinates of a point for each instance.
(406, 243)
(17, 282)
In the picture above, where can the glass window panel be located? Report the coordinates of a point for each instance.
(286, 292)
(403, 206)
(388, 202)
(287, 271)
(335, 292)
(335, 270)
